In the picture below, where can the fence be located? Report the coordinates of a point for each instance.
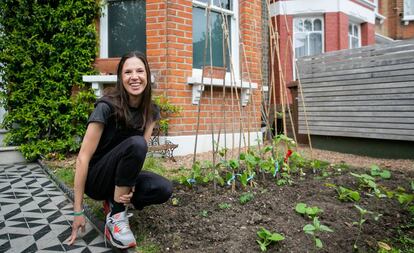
(366, 92)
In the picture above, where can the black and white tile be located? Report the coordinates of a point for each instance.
(35, 216)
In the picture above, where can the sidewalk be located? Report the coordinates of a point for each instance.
(35, 215)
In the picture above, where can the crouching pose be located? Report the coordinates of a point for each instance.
(113, 151)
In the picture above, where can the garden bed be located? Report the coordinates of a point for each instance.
(202, 220)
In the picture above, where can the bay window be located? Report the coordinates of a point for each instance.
(308, 36)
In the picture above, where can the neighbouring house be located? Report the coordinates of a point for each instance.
(395, 20)
(313, 27)
(173, 34)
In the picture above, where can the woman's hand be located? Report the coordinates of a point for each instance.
(126, 198)
(79, 222)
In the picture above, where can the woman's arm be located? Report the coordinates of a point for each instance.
(148, 130)
(90, 142)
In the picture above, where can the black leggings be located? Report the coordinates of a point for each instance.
(122, 167)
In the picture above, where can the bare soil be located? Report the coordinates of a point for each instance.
(198, 224)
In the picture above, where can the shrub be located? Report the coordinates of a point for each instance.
(45, 48)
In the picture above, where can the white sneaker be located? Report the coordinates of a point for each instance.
(117, 230)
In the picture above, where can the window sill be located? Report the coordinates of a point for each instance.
(198, 87)
(98, 82)
(407, 18)
(380, 17)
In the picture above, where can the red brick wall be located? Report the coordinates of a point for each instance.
(336, 31)
(284, 28)
(169, 50)
(367, 34)
(393, 26)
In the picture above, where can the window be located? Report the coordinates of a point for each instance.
(123, 27)
(308, 36)
(408, 10)
(219, 7)
(354, 36)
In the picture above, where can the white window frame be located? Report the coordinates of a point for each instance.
(103, 31)
(234, 43)
(350, 36)
(294, 36)
(408, 16)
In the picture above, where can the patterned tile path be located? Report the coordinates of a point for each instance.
(35, 215)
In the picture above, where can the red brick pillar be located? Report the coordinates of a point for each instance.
(367, 34)
(336, 31)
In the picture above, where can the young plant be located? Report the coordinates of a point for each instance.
(362, 219)
(345, 194)
(224, 206)
(376, 171)
(315, 230)
(308, 211)
(266, 238)
(367, 181)
(246, 197)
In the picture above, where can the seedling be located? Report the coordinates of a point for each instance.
(266, 238)
(315, 229)
(345, 194)
(308, 211)
(224, 206)
(376, 171)
(204, 213)
(245, 197)
(362, 219)
(367, 181)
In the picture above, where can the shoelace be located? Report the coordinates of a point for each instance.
(121, 223)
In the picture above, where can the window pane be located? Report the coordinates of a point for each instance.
(126, 27)
(315, 43)
(298, 25)
(356, 30)
(308, 25)
(350, 29)
(317, 25)
(199, 39)
(408, 7)
(355, 43)
(301, 45)
(225, 4)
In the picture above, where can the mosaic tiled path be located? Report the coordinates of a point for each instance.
(35, 216)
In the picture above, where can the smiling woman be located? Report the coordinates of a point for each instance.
(113, 151)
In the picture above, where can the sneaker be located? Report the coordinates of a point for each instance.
(118, 232)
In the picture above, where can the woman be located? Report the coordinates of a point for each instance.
(113, 151)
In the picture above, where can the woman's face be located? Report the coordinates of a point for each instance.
(134, 77)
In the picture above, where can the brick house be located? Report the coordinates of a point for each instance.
(398, 19)
(173, 35)
(318, 26)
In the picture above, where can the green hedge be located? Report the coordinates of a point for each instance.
(45, 48)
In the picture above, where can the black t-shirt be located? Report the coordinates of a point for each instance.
(113, 133)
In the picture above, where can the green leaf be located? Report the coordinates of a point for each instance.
(325, 228)
(385, 174)
(276, 237)
(318, 243)
(309, 228)
(301, 208)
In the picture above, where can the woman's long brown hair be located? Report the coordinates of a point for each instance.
(120, 99)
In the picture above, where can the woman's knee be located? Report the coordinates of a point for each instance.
(137, 145)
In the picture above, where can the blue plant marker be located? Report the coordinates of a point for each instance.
(276, 168)
(191, 181)
(231, 179)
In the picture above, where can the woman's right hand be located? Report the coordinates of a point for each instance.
(79, 222)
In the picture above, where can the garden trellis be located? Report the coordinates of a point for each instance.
(266, 110)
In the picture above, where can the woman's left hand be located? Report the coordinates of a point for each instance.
(126, 198)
